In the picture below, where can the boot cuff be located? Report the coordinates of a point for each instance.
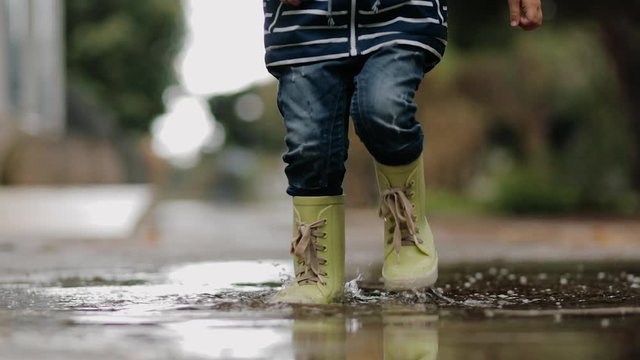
(318, 200)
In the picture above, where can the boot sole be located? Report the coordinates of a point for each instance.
(413, 283)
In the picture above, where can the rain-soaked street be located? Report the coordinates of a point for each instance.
(192, 285)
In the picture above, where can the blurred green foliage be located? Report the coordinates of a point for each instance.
(121, 53)
(265, 133)
(524, 190)
(569, 143)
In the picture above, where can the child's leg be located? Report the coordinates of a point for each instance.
(383, 110)
(383, 107)
(314, 100)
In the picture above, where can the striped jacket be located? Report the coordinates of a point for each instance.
(330, 29)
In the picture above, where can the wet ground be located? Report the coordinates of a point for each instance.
(158, 297)
(217, 311)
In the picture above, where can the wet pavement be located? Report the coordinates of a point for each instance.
(193, 286)
(90, 212)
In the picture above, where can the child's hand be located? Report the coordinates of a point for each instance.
(292, 2)
(525, 13)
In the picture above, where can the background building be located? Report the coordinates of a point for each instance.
(31, 67)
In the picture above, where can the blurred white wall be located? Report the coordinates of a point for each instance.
(32, 90)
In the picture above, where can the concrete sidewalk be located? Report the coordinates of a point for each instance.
(73, 212)
(188, 231)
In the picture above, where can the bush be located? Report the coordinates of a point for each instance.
(525, 190)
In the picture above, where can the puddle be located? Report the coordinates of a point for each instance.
(548, 286)
(218, 311)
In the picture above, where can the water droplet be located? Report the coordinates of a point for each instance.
(351, 287)
(605, 323)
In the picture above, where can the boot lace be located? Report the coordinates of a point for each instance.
(396, 206)
(305, 247)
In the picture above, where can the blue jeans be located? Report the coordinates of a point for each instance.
(378, 92)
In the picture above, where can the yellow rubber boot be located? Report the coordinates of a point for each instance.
(318, 250)
(318, 337)
(410, 258)
(410, 336)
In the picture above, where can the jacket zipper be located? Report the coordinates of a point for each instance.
(354, 49)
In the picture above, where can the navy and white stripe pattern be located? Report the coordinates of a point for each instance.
(330, 29)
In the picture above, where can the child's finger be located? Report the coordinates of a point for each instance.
(531, 17)
(533, 12)
(514, 10)
(527, 24)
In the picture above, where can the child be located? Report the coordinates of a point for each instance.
(364, 59)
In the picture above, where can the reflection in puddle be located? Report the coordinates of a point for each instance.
(220, 275)
(218, 311)
(242, 285)
(391, 335)
(191, 285)
(233, 339)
